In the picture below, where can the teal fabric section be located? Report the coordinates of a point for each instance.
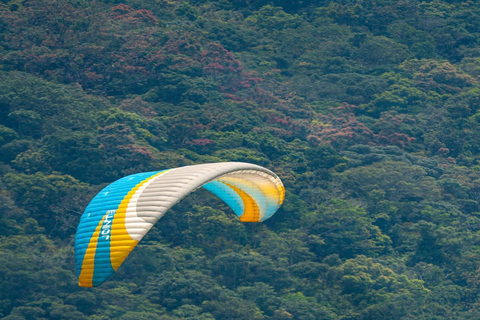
(102, 254)
(271, 209)
(224, 192)
(104, 204)
(256, 193)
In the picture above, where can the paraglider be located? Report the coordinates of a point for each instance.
(120, 215)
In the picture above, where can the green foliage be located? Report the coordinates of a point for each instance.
(172, 289)
(369, 111)
(36, 193)
(273, 18)
(358, 234)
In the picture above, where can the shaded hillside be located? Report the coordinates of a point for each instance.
(367, 110)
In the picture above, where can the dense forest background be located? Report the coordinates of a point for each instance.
(368, 110)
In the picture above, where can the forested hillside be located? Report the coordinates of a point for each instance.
(368, 110)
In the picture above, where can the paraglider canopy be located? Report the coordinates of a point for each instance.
(120, 215)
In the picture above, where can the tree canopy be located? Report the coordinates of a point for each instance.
(369, 112)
